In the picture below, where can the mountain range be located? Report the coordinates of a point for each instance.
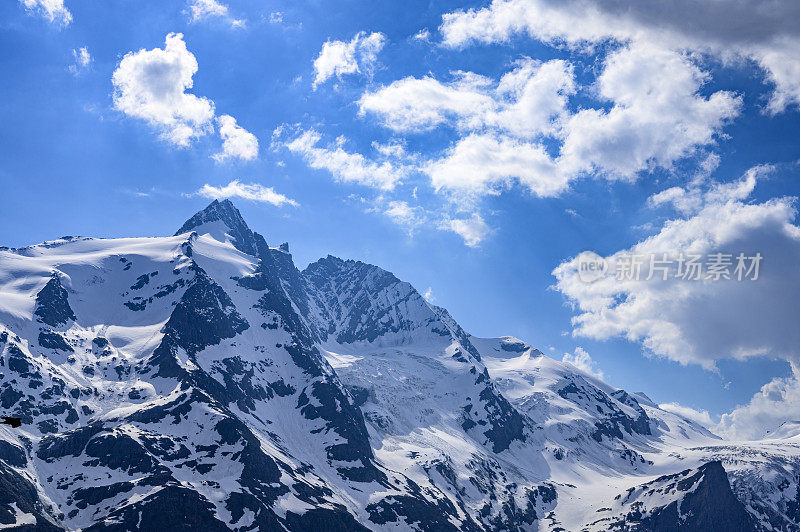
(201, 381)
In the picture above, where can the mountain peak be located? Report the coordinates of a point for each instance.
(217, 210)
(223, 221)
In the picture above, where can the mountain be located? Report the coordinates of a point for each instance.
(694, 499)
(203, 382)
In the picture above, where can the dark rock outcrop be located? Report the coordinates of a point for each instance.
(52, 304)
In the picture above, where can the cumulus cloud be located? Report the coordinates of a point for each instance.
(253, 192)
(345, 166)
(701, 417)
(420, 104)
(583, 361)
(777, 402)
(535, 126)
(524, 102)
(82, 59)
(53, 10)
(650, 114)
(770, 38)
(237, 142)
(701, 321)
(473, 230)
(658, 115)
(339, 58)
(153, 85)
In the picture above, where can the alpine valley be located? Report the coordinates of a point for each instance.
(202, 382)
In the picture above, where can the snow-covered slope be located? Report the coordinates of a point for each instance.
(201, 381)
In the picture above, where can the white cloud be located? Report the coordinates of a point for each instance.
(415, 105)
(253, 191)
(777, 402)
(525, 102)
(339, 58)
(472, 230)
(770, 37)
(781, 63)
(236, 141)
(705, 320)
(423, 35)
(276, 17)
(152, 84)
(648, 108)
(428, 295)
(408, 217)
(200, 10)
(347, 167)
(701, 417)
(658, 116)
(534, 126)
(392, 149)
(404, 215)
(684, 200)
(581, 360)
(480, 164)
(82, 59)
(53, 10)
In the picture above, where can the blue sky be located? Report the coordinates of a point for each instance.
(470, 148)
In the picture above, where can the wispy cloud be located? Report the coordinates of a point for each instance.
(345, 166)
(200, 10)
(53, 10)
(252, 191)
(581, 359)
(82, 60)
(701, 417)
(473, 229)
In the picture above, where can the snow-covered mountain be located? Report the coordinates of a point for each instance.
(202, 382)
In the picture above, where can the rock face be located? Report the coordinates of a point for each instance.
(203, 382)
(52, 305)
(694, 499)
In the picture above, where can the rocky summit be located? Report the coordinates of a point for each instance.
(203, 382)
